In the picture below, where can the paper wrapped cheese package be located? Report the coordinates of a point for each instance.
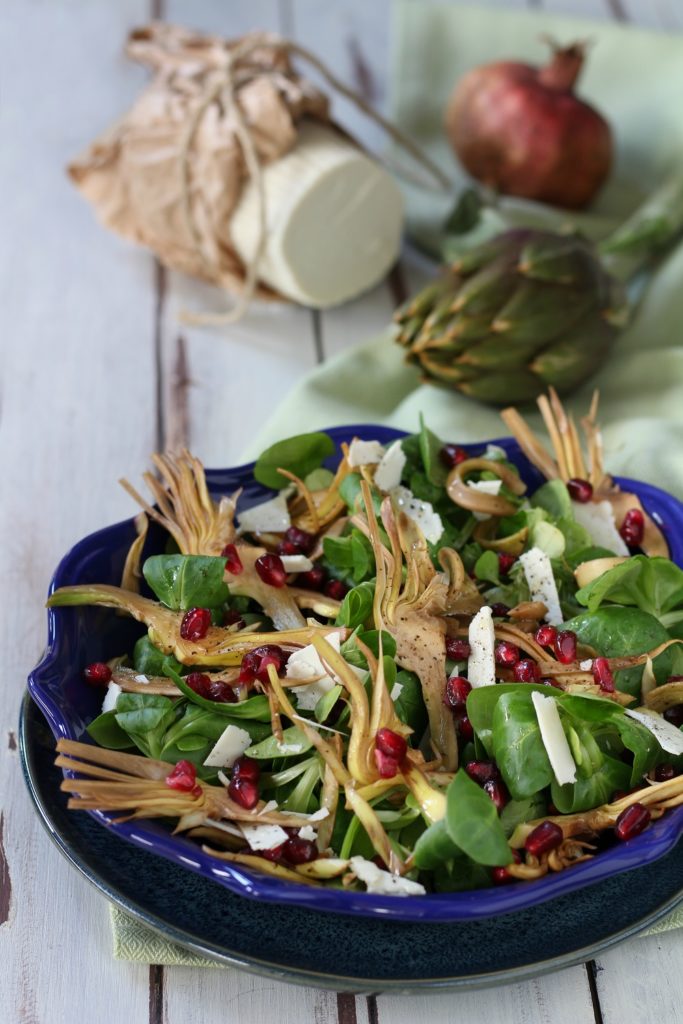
(229, 168)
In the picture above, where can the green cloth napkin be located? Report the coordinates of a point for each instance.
(641, 387)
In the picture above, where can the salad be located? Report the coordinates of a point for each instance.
(408, 673)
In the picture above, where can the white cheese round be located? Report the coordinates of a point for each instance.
(334, 220)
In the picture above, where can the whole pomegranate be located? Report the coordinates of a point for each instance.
(522, 131)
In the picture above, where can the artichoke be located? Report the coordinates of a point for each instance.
(530, 309)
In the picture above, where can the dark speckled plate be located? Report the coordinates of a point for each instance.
(359, 954)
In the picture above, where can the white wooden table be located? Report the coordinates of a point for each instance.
(96, 374)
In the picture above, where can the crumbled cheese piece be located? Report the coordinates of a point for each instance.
(308, 832)
(667, 735)
(290, 748)
(539, 576)
(586, 665)
(597, 517)
(554, 739)
(264, 837)
(306, 664)
(364, 453)
(481, 663)
(270, 516)
(383, 882)
(230, 745)
(111, 696)
(318, 815)
(421, 513)
(485, 487)
(396, 691)
(388, 473)
(141, 679)
(296, 563)
(267, 808)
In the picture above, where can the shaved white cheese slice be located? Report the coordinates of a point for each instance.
(264, 837)
(308, 832)
(554, 739)
(597, 517)
(269, 517)
(318, 815)
(306, 664)
(586, 665)
(396, 691)
(667, 735)
(289, 748)
(364, 453)
(230, 745)
(539, 576)
(481, 663)
(111, 696)
(141, 679)
(388, 473)
(485, 487)
(267, 808)
(383, 883)
(421, 513)
(296, 563)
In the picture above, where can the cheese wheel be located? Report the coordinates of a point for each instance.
(334, 220)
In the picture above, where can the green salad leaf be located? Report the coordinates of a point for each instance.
(299, 455)
(187, 581)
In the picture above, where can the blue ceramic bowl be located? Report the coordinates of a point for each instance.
(77, 636)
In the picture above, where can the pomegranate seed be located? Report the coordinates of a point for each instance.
(274, 854)
(499, 610)
(380, 862)
(387, 766)
(457, 649)
(464, 727)
(271, 570)
(457, 689)
(97, 673)
(452, 456)
(246, 768)
(549, 681)
(501, 876)
(195, 624)
(632, 821)
(391, 743)
(199, 683)
(244, 792)
(482, 771)
(336, 590)
(545, 837)
(633, 528)
(527, 671)
(664, 772)
(507, 654)
(498, 793)
(505, 563)
(314, 579)
(304, 540)
(221, 692)
(565, 646)
(255, 663)
(545, 636)
(233, 562)
(183, 777)
(287, 547)
(602, 674)
(300, 851)
(233, 618)
(675, 715)
(580, 490)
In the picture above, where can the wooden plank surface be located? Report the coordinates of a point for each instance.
(85, 339)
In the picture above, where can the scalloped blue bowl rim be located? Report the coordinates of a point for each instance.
(56, 686)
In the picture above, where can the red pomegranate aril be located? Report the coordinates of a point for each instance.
(501, 876)
(527, 671)
(505, 562)
(391, 743)
(632, 528)
(300, 851)
(199, 682)
(244, 792)
(602, 674)
(183, 777)
(546, 636)
(97, 673)
(304, 540)
(387, 766)
(507, 654)
(457, 690)
(233, 562)
(457, 649)
(549, 681)
(273, 854)
(580, 490)
(336, 590)
(246, 768)
(255, 663)
(565, 646)
(545, 837)
(464, 727)
(287, 547)
(271, 570)
(498, 793)
(451, 455)
(632, 821)
(314, 579)
(195, 624)
(482, 771)
(499, 610)
(222, 692)
(664, 772)
(675, 715)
